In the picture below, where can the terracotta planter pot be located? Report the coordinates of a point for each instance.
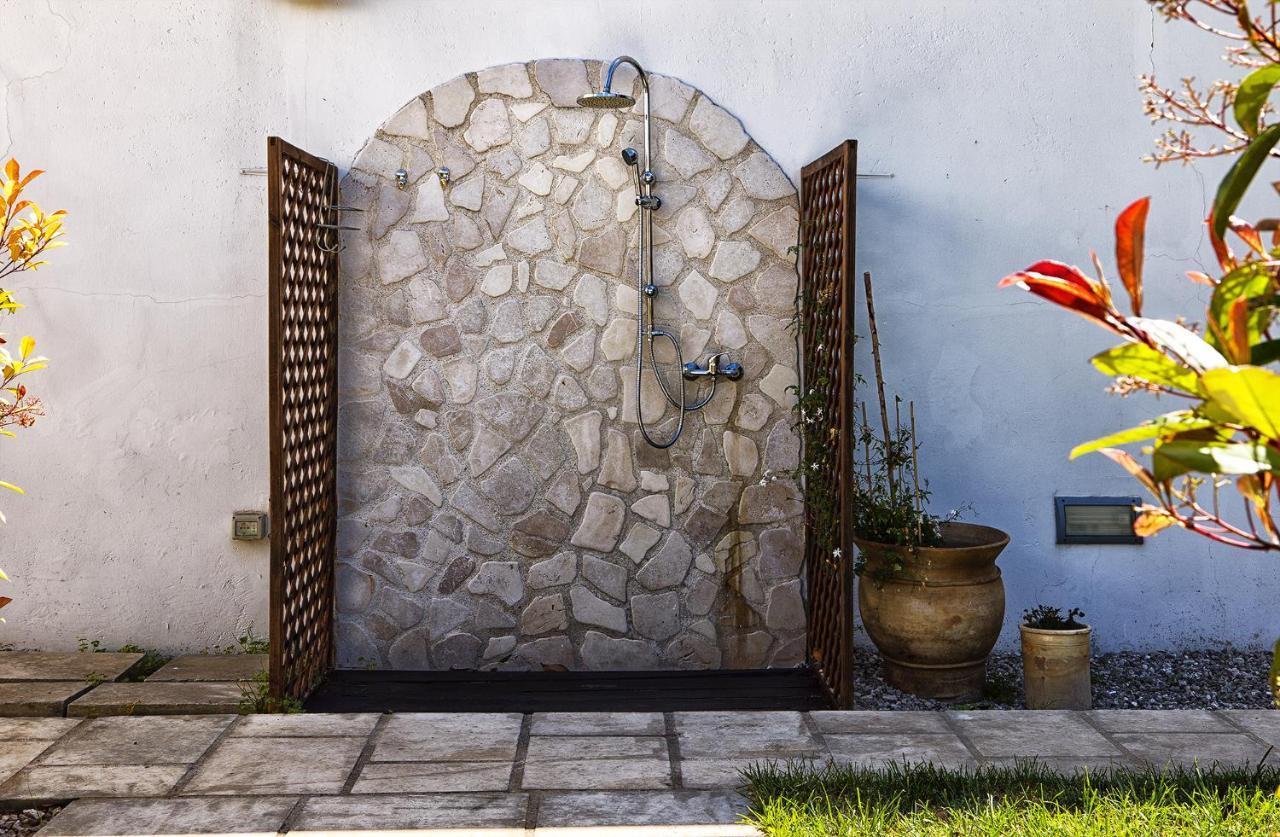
(1055, 668)
(936, 619)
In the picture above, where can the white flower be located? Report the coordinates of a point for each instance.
(836, 553)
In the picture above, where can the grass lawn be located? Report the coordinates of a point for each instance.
(1027, 799)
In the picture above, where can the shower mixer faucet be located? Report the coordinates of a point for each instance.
(718, 364)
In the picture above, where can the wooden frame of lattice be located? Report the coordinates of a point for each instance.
(303, 380)
(827, 202)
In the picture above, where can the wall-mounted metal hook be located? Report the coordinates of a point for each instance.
(443, 174)
(402, 178)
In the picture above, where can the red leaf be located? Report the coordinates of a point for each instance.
(1131, 231)
(1066, 286)
(1238, 346)
(1247, 234)
(1201, 278)
(1225, 258)
(1142, 475)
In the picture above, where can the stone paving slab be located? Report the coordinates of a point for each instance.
(597, 762)
(61, 782)
(1041, 734)
(664, 812)
(36, 729)
(149, 698)
(1157, 720)
(777, 735)
(1264, 723)
(30, 699)
(210, 668)
(944, 749)
(598, 723)
(142, 740)
(206, 815)
(82, 666)
(472, 815)
(433, 777)
(15, 755)
(855, 721)
(449, 737)
(305, 726)
(1192, 748)
(276, 766)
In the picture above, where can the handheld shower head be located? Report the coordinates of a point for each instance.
(630, 157)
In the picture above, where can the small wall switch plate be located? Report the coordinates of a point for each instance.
(249, 526)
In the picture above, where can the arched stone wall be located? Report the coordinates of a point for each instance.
(499, 508)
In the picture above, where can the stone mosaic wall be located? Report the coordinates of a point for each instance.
(499, 509)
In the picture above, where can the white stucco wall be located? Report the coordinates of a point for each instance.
(1012, 135)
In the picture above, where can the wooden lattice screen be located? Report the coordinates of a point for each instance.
(303, 378)
(827, 296)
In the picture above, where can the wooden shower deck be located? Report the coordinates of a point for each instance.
(627, 691)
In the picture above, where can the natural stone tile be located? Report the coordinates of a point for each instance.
(698, 295)
(466, 737)
(874, 750)
(591, 762)
(306, 726)
(253, 766)
(539, 534)
(777, 230)
(37, 699)
(158, 699)
(537, 178)
(735, 215)
(479, 814)
(1159, 720)
(605, 653)
(786, 607)
(590, 609)
(576, 163)
(1191, 748)
(74, 781)
(717, 129)
(190, 815)
(428, 202)
(598, 723)
(1047, 733)
(777, 735)
(563, 79)
(640, 539)
(608, 577)
(554, 571)
(711, 813)
(138, 740)
(602, 521)
(733, 260)
(684, 155)
(668, 566)
(48, 665)
(451, 101)
(500, 579)
(433, 777)
(508, 79)
(654, 508)
(543, 615)
(656, 615)
(761, 178)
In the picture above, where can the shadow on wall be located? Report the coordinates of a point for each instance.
(499, 508)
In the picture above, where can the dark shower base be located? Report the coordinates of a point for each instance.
(618, 691)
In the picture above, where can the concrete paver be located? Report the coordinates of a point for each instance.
(49, 665)
(1043, 734)
(433, 776)
(306, 726)
(597, 762)
(193, 815)
(1155, 720)
(449, 737)
(149, 698)
(679, 812)
(276, 766)
(1264, 723)
(39, 698)
(144, 740)
(482, 815)
(193, 668)
(943, 749)
(1191, 748)
(61, 782)
(598, 723)
(777, 735)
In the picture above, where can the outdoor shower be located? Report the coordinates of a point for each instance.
(717, 363)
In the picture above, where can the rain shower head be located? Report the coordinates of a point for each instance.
(606, 100)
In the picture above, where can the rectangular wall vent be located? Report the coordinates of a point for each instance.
(1095, 520)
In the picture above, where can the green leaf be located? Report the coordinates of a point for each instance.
(1268, 351)
(1252, 96)
(1182, 456)
(1182, 342)
(1251, 281)
(1250, 394)
(1236, 183)
(1141, 361)
(1167, 424)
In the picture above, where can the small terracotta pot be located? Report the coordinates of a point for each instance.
(1055, 668)
(936, 619)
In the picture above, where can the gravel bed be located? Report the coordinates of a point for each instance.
(26, 822)
(1226, 679)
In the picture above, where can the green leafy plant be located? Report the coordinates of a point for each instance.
(1225, 438)
(255, 698)
(1046, 618)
